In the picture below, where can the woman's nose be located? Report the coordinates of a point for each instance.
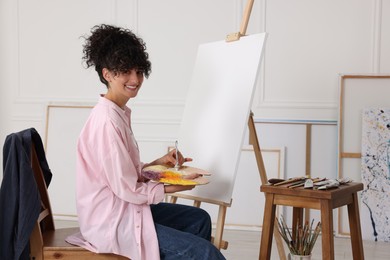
(134, 77)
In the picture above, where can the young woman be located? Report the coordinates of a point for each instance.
(119, 210)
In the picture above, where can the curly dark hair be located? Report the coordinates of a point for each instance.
(117, 49)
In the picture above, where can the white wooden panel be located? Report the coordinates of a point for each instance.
(293, 137)
(324, 151)
(248, 202)
(359, 92)
(8, 52)
(50, 47)
(173, 30)
(310, 42)
(384, 54)
(126, 14)
(64, 124)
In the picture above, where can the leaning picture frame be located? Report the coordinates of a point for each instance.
(357, 92)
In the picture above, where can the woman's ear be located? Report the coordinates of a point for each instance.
(107, 75)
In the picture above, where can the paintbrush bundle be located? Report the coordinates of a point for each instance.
(309, 183)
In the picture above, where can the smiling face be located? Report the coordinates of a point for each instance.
(123, 86)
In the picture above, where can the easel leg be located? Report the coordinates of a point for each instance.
(254, 141)
(219, 228)
(197, 203)
(173, 199)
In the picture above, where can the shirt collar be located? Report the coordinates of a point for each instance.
(123, 112)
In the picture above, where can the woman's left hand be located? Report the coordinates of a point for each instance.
(170, 159)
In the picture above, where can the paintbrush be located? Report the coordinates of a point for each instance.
(291, 180)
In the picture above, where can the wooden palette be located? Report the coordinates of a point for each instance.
(168, 175)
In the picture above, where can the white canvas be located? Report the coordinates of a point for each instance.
(375, 215)
(217, 109)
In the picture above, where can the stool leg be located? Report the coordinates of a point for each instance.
(327, 230)
(268, 227)
(354, 226)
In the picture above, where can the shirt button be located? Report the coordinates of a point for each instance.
(138, 226)
(138, 211)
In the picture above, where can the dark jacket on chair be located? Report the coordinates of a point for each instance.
(20, 203)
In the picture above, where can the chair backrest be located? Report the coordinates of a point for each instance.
(45, 220)
(44, 242)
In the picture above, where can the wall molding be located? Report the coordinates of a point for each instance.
(297, 104)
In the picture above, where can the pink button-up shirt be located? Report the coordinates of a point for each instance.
(112, 203)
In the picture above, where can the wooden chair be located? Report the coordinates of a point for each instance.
(48, 243)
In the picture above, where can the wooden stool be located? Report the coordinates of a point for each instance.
(323, 200)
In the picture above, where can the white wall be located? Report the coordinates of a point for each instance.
(309, 44)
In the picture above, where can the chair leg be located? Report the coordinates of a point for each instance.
(36, 250)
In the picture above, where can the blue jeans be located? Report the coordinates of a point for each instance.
(184, 232)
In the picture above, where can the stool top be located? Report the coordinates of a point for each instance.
(342, 190)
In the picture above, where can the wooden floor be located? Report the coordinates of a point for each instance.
(244, 245)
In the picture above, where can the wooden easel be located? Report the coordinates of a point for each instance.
(253, 140)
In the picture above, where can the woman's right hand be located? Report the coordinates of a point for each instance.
(177, 188)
